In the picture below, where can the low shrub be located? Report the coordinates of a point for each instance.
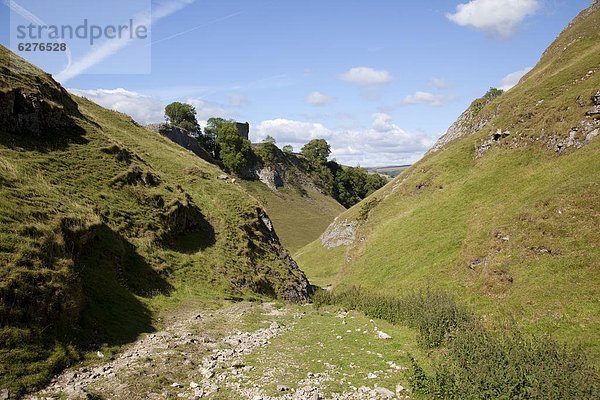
(477, 362)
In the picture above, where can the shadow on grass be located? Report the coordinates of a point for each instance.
(47, 142)
(113, 274)
(109, 277)
(198, 238)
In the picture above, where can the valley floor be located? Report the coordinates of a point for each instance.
(251, 351)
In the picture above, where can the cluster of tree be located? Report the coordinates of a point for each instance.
(480, 103)
(348, 185)
(182, 116)
(220, 136)
(221, 139)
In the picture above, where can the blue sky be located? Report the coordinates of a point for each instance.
(379, 79)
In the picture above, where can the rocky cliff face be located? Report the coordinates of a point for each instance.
(182, 138)
(45, 110)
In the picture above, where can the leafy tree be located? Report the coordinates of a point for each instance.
(213, 124)
(209, 143)
(267, 152)
(189, 126)
(288, 149)
(234, 151)
(269, 140)
(316, 151)
(374, 183)
(182, 115)
(208, 139)
(353, 184)
(493, 93)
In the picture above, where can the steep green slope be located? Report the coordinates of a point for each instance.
(103, 221)
(503, 212)
(299, 217)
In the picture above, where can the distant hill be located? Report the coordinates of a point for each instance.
(503, 211)
(390, 171)
(102, 221)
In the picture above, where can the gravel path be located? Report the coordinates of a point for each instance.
(197, 356)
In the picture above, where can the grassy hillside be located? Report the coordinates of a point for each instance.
(298, 217)
(506, 217)
(103, 222)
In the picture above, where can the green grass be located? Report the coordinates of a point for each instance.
(474, 361)
(299, 218)
(347, 349)
(105, 227)
(442, 223)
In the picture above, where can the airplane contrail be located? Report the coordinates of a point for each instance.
(235, 14)
(146, 18)
(31, 17)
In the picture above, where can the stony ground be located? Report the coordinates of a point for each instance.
(250, 351)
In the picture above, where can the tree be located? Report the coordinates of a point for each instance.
(269, 140)
(316, 151)
(493, 93)
(182, 115)
(208, 139)
(267, 153)
(374, 183)
(234, 151)
(213, 124)
(288, 149)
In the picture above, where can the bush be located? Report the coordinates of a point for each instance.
(267, 152)
(235, 151)
(478, 362)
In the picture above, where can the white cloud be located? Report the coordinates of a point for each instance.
(365, 76)
(144, 109)
(438, 83)
(290, 131)
(513, 78)
(319, 99)
(497, 17)
(147, 109)
(384, 143)
(206, 110)
(434, 100)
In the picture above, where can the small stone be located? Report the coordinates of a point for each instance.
(400, 388)
(383, 335)
(176, 385)
(193, 385)
(99, 354)
(385, 393)
(282, 388)
(371, 376)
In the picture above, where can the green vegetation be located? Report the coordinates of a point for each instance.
(288, 149)
(340, 349)
(477, 362)
(353, 184)
(348, 185)
(298, 217)
(316, 151)
(234, 151)
(104, 226)
(267, 151)
(489, 96)
(512, 232)
(182, 115)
